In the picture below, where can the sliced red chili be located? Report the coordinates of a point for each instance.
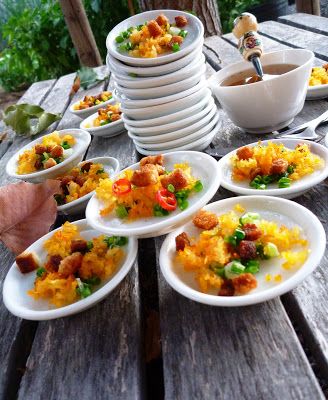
(121, 186)
(166, 200)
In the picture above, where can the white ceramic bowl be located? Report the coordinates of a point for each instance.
(191, 126)
(296, 188)
(166, 108)
(117, 66)
(91, 110)
(166, 79)
(203, 167)
(280, 210)
(195, 35)
(166, 90)
(317, 92)
(83, 139)
(108, 130)
(269, 105)
(111, 166)
(175, 117)
(16, 284)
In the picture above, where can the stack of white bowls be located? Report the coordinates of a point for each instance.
(165, 101)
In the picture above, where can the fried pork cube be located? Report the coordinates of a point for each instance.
(177, 178)
(40, 149)
(254, 173)
(147, 175)
(50, 163)
(85, 167)
(181, 21)
(57, 151)
(181, 241)
(205, 220)
(27, 262)
(70, 264)
(38, 163)
(227, 288)
(152, 160)
(252, 232)
(65, 180)
(244, 283)
(80, 180)
(279, 166)
(175, 39)
(79, 245)
(52, 263)
(154, 29)
(245, 153)
(115, 117)
(162, 20)
(247, 250)
(325, 66)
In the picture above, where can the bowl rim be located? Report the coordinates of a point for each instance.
(100, 128)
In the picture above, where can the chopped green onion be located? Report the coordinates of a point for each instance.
(94, 280)
(231, 240)
(239, 234)
(132, 74)
(159, 211)
(198, 186)
(125, 34)
(121, 212)
(105, 122)
(290, 169)
(182, 194)
(115, 241)
(119, 39)
(58, 160)
(45, 156)
(249, 218)
(65, 145)
(237, 267)
(139, 27)
(129, 46)
(183, 33)
(83, 289)
(90, 245)
(284, 182)
(175, 47)
(40, 271)
(171, 188)
(252, 266)
(270, 250)
(182, 203)
(100, 171)
(130, 30)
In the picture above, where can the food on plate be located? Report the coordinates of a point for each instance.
(319, 76)
(154, 37)
(233, 247)
(80, 181)
(74, 267)
(106, 115)
(91, 101)
(149, 191)
(262, 165)
(51, 151)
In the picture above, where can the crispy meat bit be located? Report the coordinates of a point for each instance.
(245, 153)
(325, 66)
(181, 241)
(52, 263)
(247, 250)
(79, 245)
(205, 220)
(147, 175)
(181, 21)
(40, 149)
(279, 166)
(85, 167)
(50, 163)
(162, 20)
(49, 148)
(177, 178)
(115, 117)
(57, 151)
(70, 264)
(227, 288)
(244, 283)
(152, 160)
(38, 163)
(175, 39)
(252, 232)
(27, 262)
(253, 174)
(65, 180)
(80, 180)
(154, 28)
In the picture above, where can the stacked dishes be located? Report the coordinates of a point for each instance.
(164, 99)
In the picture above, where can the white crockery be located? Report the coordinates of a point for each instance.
(282, 211)
(108, 130)
(195, 35)
(317, 92)
(111, 166)
(91, 110)
(296, 188)
(16, 284)
(203, 167)
(268, 105)
(176, 117)
(82, 138)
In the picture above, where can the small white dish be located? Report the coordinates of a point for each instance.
(111, 166)
(272, 208)
(168, 90)
(194, 28)
(317, 92)
(154, 134)
(83, 139)
(16, 284)
(91, 110)
(203, 167)
(166, 108)
(296, 188)
(166, 79)
(175, 117)
(117, 66)
(108, 130)
(181, 138)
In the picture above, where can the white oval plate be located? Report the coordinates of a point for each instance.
(272, 208)
(111, 166)
(91, 110)
(16, 284)
(317, 92)
(195, 34)
(203, 167)
(108, 130)
(296, 188)
(83, 139)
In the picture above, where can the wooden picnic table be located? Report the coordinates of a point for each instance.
(147, 341)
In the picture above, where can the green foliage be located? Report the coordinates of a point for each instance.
(230, 9)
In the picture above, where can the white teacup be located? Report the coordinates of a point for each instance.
(265, 106)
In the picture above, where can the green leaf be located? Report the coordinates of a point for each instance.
(88, 77)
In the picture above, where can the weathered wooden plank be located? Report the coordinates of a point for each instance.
(307, 22)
